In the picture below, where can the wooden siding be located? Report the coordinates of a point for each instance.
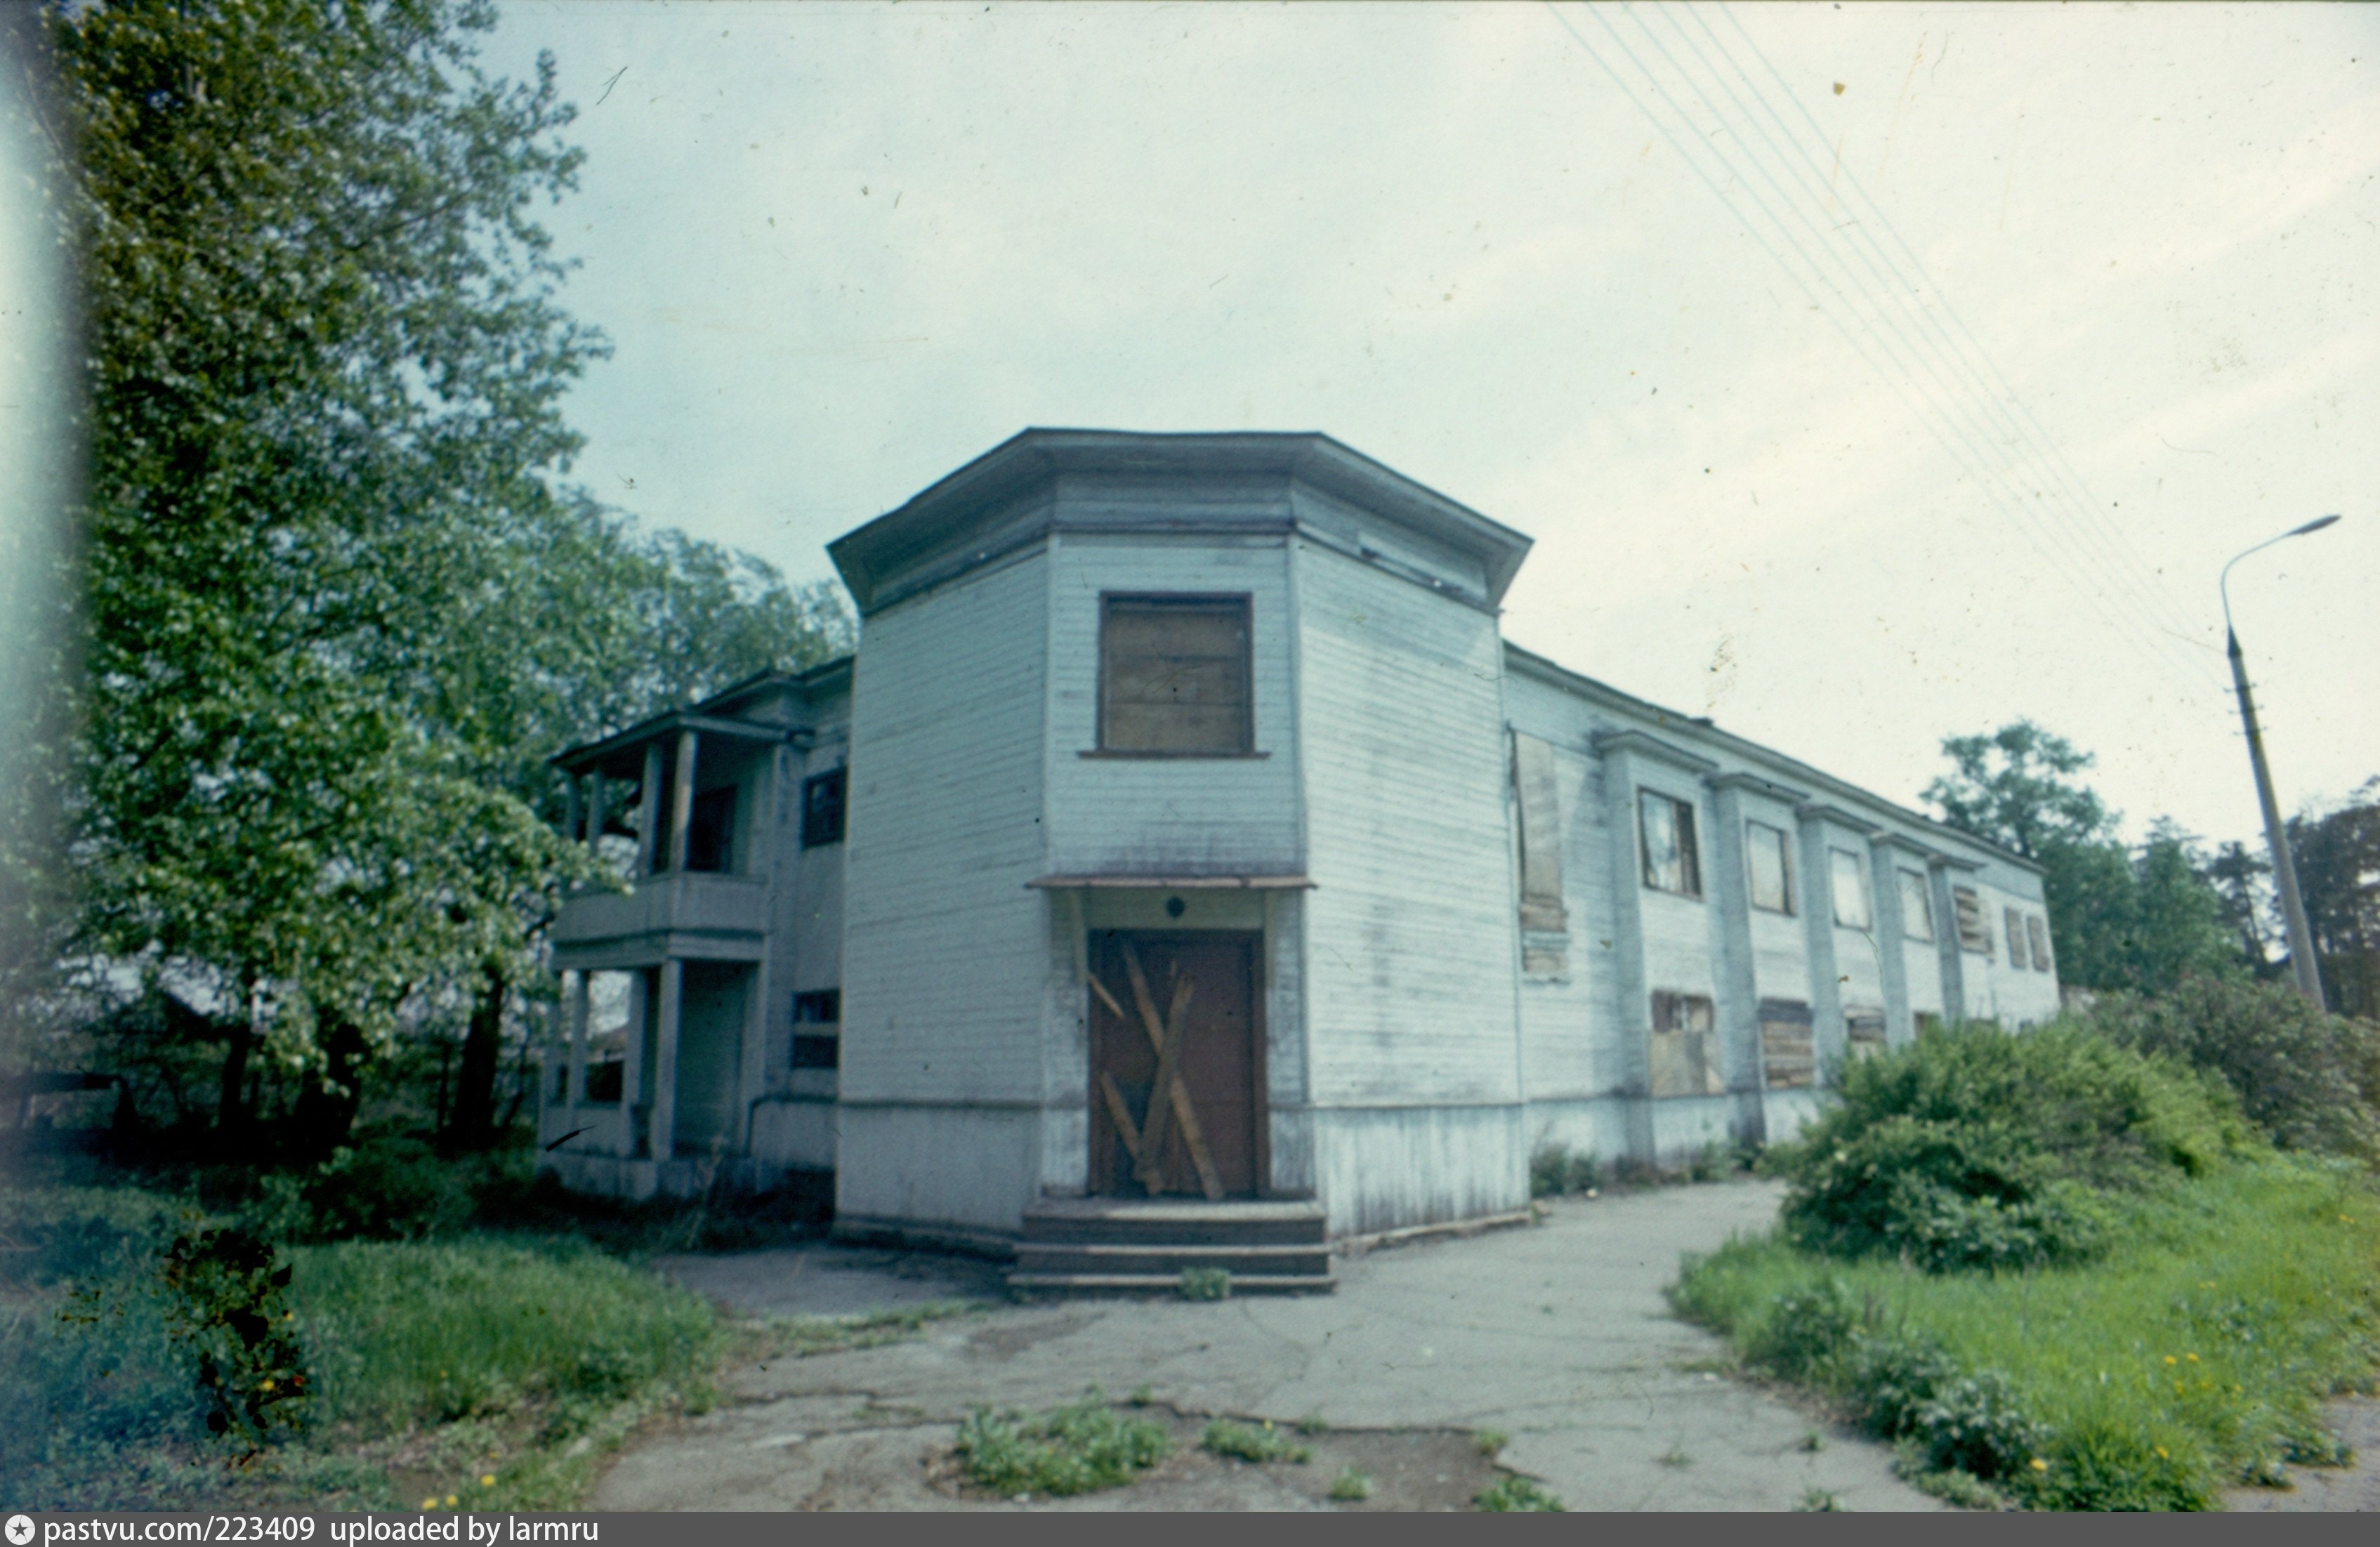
(1168, 815)
(945, 949)
(1411, 944)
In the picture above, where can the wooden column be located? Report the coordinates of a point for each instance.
(649, 813)
(576, 1007)
(570, 822)
(681, 799)
(663, 1142)
(595, 812)
(632, 1067)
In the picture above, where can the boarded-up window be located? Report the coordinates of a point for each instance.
(823, 802)
(1864, 1030)
(1916, 906)
(2038, 928)
(817, 1040)
(1769, 864)
(1537, 795)
(1849, 876)
(1787, 1058)
(1924, 1022)
(1667, 829)
(1686, 1047)
(2016, 936)
(1973, 933)
(1173, 676)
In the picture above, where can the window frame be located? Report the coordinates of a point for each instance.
(2037, 928)
(1865, 923)
(838, 777)
(1983, 931)
(1690, 859)
(1784, 863)
(1924, 914)
(2020, 954)
(1104, 745)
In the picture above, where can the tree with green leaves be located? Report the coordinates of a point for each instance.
(2124, 919)
(2338, 859)
(338, 605)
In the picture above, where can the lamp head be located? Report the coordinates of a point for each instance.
(2316, 524)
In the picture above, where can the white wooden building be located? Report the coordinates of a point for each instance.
(1210, 744)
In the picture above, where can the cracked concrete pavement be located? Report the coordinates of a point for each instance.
(1557, 1335)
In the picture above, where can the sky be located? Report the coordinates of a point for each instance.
(1864, 374)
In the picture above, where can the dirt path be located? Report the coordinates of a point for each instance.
(1557, 1337)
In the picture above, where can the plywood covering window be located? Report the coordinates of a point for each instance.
(1175, 677)
(1685, 1048)
(1768, 861)
(1667, 829)
(1787, 1058)
(2038, 927)
(1850, 878)
(1916, 906)
(1535, 790)
(1974, 934)
(2016, 936)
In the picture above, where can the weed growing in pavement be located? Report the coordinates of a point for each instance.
(1075, 1449)
(1819, 1500)
(1352, 1486)
(1313, 1424)
(1491, 1441)
(1206, 1284)
(1515, 1495)
(1246, 1442)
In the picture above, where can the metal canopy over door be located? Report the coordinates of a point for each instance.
(1184, 1005)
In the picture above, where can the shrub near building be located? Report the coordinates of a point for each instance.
(2058, 1272)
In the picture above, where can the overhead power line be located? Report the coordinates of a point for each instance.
(1878, 303)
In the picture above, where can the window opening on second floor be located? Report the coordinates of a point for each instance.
(1768, 859)
(823, 803)
(1916, 906)
(1850, 876)
(1666, 827)
(1174, 676)
(710, 830)
(1975, 934)
(2017, 953)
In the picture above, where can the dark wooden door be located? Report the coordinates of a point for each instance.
(1202, 987)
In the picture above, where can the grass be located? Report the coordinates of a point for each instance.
(2190, 1355)
(433, 1366)
(1819, 1500)
(1075, 1449)
(1515, 1495)
(1204, 1284)
(1246, 1443)
(800, 1336)
(1491, 1441)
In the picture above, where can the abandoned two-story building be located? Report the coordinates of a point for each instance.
(1183, 831)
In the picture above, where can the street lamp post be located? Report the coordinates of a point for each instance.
(2285, 873)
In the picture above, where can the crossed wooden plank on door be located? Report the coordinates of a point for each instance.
(1147, 1146)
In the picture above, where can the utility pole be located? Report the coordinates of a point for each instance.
(2285, 871)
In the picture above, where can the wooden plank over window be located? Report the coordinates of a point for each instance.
(1974, 934)
(2038, 928)
(1863, 1031)
(1787, 1056)
(1174, 676)
(2016, 937)
(1537, 795)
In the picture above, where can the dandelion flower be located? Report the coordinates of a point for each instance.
(429, 1504)
(266, 1384)
(450, 1500)
(2162, 1456)
(487, 1479)
(2039, 1464)
(2168, 1359)
(2192, 1358)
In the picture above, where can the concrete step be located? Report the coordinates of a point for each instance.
(1165, 1283)
(1303, 1260)
(1174, 1221)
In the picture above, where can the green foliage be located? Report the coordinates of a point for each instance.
(1978, 1149)
(227, 1309)
(1490, 1441)
(2190, 1354)
(1350, 1486)
(1819, 1500)
(1075, 1449)
(1514, 1494)
(2309, 1079)
(2336, 855)
(1252, 1443)
(2017, 788)
(1556, 1169)
(1204, 1284)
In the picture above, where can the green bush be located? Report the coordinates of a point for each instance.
(1075, 1449)
(2309, 1079)
(1204, 1283)
(1977, 1149)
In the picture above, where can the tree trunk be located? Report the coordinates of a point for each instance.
(474, 1123)
(231, 1109)
(325, 1112)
